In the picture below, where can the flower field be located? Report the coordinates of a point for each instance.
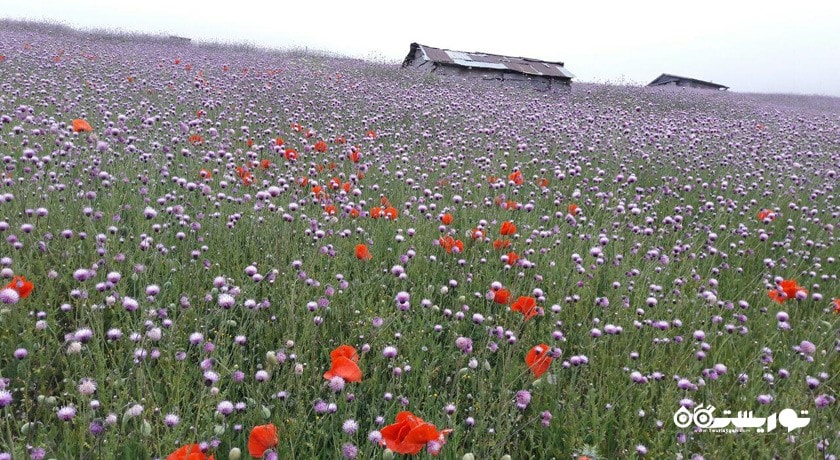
(214, 251)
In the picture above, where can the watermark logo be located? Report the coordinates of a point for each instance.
(705, 419)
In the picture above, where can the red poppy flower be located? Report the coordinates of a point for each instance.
(362, 252)
(279, 141)
(81, 126)
(297, 127)
(345, 351)
(250, 142)
(245, 175)
(391, 213)
(512, 258)
(321, 146)
(508, 228)
(291, 154)
(355, 156)
(371, 134)
(354, 213)
(538, 359)
(510, 205)
(500, 244)
(525, 305)
(376, 212)
(542, 182)
(502, 296)
(195, 139)
(265, 164)
(574, 209)
(446, 219)
(344, 359)
(340, 140)
(516, 177)
(448, 243)
(262, 438)
(21, 285)
(836, 303)
(330, 209)
(786, 290)
(189, 452)
(766, 214)
(205, 174)
(409, 434)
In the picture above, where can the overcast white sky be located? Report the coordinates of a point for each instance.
(751, 46)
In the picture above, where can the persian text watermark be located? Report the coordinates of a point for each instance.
(705, 420)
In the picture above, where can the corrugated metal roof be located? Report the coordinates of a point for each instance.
(480, 65)
(457, 55)
(521, 65)
(666, 78)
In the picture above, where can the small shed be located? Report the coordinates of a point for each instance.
(180, 39)
(685, 82)
(514, 71)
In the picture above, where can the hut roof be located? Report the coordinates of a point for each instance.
(666, 78)
(481, 60)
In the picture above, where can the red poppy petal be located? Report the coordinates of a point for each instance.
(186, 452)
(422, 434)
(346, 369)
(346, 351)
(263, 437)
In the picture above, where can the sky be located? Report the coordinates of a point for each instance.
(750, 46)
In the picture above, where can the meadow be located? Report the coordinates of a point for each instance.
(217, 251)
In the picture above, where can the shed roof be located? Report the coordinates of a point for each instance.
(477, 59)
(666, 78)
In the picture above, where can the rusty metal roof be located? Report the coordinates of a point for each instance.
(667, 78)
(476, 59)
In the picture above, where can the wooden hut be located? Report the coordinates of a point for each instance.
(685, 82)
(507, 70)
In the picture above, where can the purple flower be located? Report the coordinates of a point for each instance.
(807, 347)
(9, 296)
(389, 352)
(464, 344)
(350, 426)
(66, 413)
(225, 408)
(349, 451)
(822, 401)
(336, 384)
(545, 418)
(375, 437)
(171, 420)
(96, 428)
(523, 398)
(5, 398)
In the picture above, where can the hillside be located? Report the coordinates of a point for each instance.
(211, 243)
